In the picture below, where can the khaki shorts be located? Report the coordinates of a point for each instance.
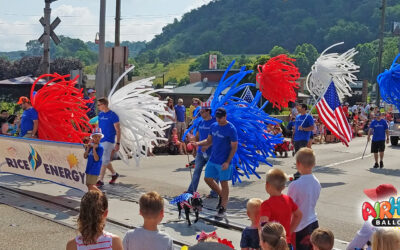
(91, 179)
(181, 126)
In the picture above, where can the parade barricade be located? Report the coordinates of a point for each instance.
(58, 162)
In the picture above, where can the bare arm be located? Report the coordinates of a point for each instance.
(95, 155)
(118, 131)
(35, 127)
(296, 218)
(71, 245)
(207, 142)
(369, 134)
(234, 146)
(117, 243)
(85, 155)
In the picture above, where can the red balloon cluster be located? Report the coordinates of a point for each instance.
(277, 79)
(61, 109)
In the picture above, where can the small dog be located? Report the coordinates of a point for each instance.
(194, 203)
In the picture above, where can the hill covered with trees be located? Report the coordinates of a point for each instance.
(256, 26)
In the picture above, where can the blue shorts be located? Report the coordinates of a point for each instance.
(215, 171)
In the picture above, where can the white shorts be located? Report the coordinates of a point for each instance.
(108, 148)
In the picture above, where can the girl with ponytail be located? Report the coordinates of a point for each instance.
(91, 221)
(273, 237)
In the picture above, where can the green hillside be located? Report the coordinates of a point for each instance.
(256, 26)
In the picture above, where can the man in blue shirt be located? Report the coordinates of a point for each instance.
(29, 119)
(303, 127)
(180, 111)
(109, 125)
(203, 153)
(224, 140)
(378, 128)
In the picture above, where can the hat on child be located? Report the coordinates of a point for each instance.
(97, 131)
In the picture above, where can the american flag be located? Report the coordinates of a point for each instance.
(331, 114)
(247, 95)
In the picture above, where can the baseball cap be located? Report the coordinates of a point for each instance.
(381, 192)
(23, 99)
(221, 112)
(91, 91)
(97, 131)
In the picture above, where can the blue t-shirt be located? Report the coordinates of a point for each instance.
(106, 123)
(180, 111)
(204, 131)
(301, 135)
(222, 136)
(250, 238)
(27, 119)
(379, 128)
(93, 167)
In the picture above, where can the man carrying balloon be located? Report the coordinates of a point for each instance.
(109, 125)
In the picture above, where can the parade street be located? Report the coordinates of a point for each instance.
(341, 171)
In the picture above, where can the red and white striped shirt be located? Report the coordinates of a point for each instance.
(104, 242)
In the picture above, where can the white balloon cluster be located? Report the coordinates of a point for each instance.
(335, 67)
(138, 113)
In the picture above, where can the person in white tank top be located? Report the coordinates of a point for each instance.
(94, 207)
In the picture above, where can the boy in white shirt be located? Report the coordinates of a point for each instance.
(305, 193)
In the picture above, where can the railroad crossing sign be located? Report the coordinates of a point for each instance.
(53, 35)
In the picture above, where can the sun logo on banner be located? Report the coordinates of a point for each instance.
(72, 160)
(34, 159)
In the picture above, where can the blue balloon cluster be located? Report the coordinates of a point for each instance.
(389, 84)
(251, 122)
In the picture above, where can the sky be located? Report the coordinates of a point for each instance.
(141, 19)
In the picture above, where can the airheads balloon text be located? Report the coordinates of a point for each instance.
(384, 213)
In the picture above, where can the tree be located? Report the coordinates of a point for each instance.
(5, 69)
(34, 48)
(277, 50)
(63, 66)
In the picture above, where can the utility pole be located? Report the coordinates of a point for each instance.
(100, 74)
(45, 37)
(380, 52)
(117, 22)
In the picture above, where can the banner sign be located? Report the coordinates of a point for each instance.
(58, 162)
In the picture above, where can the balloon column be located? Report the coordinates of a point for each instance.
(389, 84)
(335, 67)
(61, 109)
(138, 111)
(277, 79)
(251, 122)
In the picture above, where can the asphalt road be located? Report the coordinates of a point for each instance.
(22, 230)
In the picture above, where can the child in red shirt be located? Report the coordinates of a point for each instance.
(279, 207)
